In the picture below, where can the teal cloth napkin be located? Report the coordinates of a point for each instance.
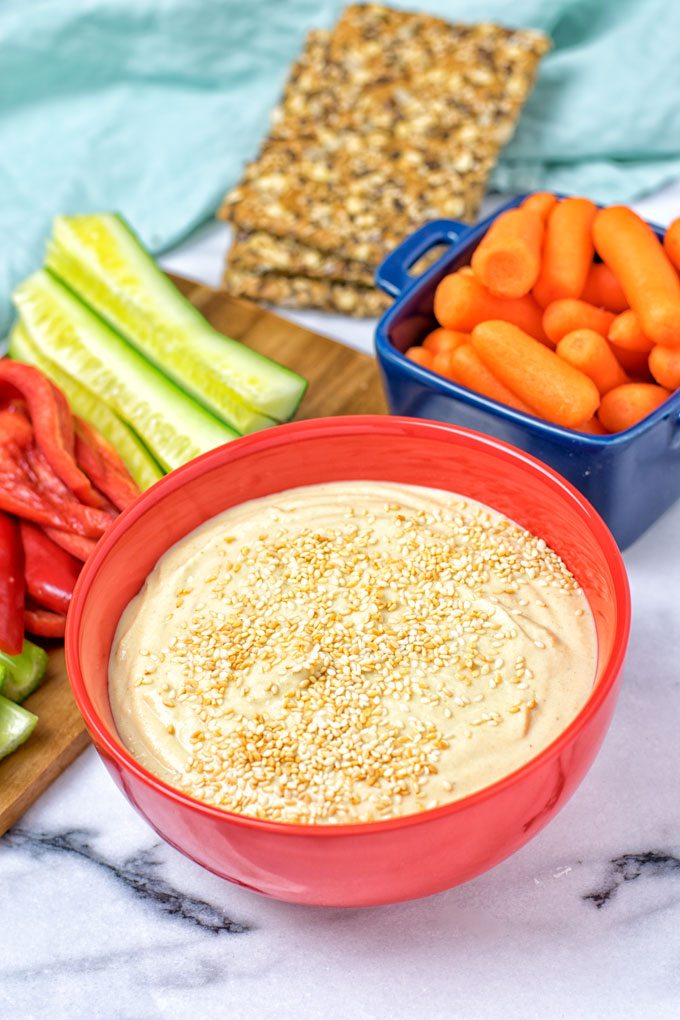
(151, 107)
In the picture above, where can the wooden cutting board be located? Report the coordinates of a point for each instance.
(341, 381)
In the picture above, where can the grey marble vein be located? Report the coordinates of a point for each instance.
(629, 867)
(94, 962)
(136, 873)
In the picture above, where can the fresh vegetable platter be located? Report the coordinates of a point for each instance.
(112, 379)
(115, 378)
(341, 381)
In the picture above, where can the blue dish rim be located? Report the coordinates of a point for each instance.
(388, 354)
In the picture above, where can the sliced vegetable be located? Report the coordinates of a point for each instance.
(441, 363)
(23, 672)
(634, 253)
(103, 261)
(671, 242)
(441, 340)
(87, 405)
(592, 427)
(591, 354)
(16, 726)
(173, 426)
(567, 251)
(468, 369)
(603, 290)
(3, 676)
(421, 356)
(627, 405)
(567, 314)
(508, 258)
(29, 487)
(50, 572)
(52, 424)
(461, 303)
(614, 324)
(626, 332)
(44, 622)
(552, 387)
(11, 587)
(541, 203)
(664, 364)
(77, 545)
(103, 466)
(634, 363)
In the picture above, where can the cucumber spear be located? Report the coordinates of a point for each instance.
(16, 725)
(23, 672)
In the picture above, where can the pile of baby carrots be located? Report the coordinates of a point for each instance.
(536, 323)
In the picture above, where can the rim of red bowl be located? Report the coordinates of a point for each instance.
(344, 425)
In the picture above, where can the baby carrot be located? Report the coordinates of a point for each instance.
(671, 243)
(567, 314)
(460, 302)
(590, 353)
(420, 356)
(664, 364)
(603, 289)
(541, 203)
(592, 426)
(632, 362)
(622, 407)
(567, 251)
(508, 258)
(444, 340)
(441, 364)
(468, 369)
(633, 252)
(554, 389)
(625, 331)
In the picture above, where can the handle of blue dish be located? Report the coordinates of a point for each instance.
(393, 274)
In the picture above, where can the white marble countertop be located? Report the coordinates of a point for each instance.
(100, 919)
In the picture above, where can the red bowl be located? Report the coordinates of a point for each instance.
(379, 862)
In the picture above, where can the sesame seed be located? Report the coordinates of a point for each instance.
(368, 641)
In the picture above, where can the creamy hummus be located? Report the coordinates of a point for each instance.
(350, 652)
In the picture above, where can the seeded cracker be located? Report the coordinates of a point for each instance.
(387, 121)
(409, 76)
(381, 202)
(304, 292)
(261, 252)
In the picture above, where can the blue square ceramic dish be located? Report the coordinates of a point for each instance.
(630, 477)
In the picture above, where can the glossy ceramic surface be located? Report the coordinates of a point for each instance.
(352, 865)
(630, 478)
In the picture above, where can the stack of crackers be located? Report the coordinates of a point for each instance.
(387, 121)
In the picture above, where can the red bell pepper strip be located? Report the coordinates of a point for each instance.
(29, 488)
(103, 466)
(52, 424)
(50, 572)
(16, 425)
(76, 545)
(44, 622)
(11, 587)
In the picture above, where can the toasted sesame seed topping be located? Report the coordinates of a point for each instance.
(324, 668)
